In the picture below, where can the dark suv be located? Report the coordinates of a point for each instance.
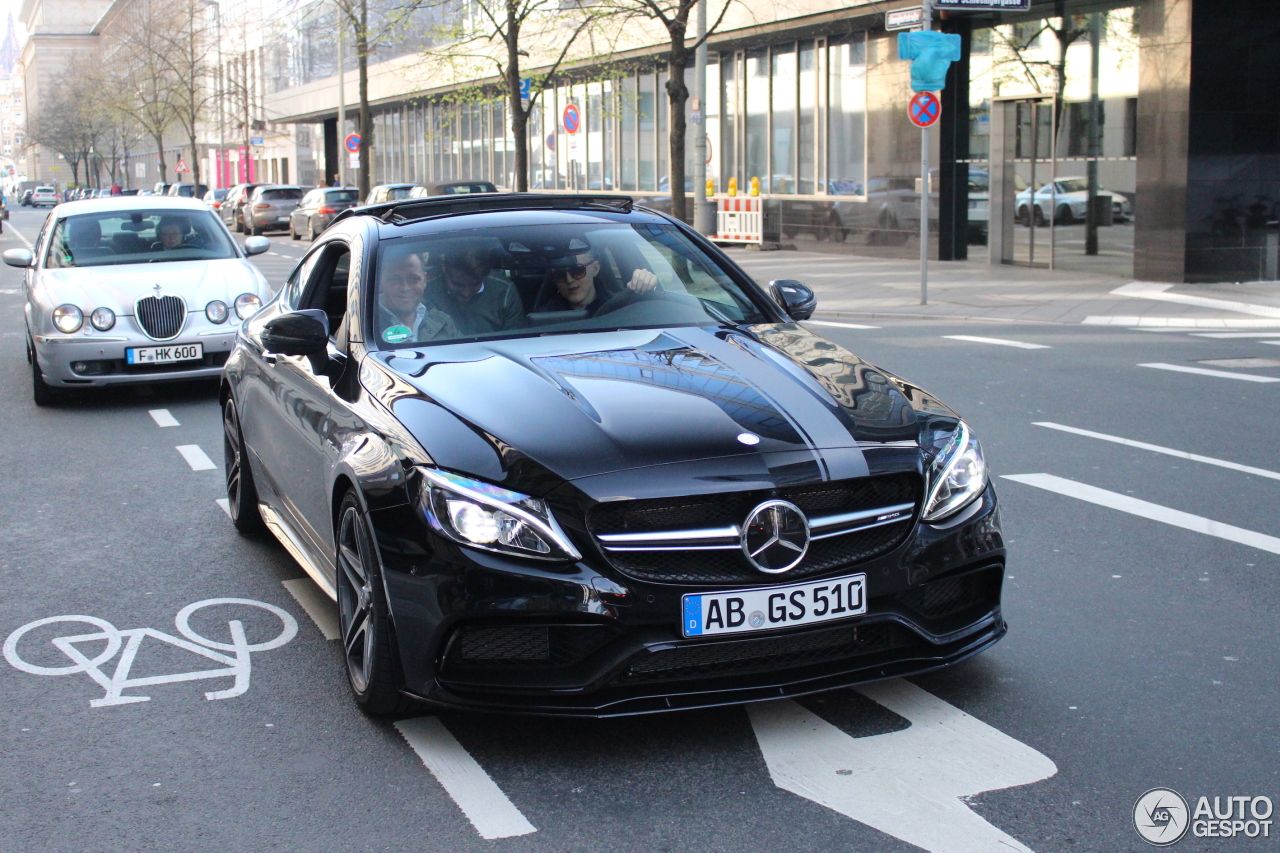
(555, 454)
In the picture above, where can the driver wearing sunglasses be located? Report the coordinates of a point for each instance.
(576, 288)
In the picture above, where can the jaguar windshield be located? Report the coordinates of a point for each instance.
(540, 279)
(137, 237)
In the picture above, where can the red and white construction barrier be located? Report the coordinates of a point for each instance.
(738, 219)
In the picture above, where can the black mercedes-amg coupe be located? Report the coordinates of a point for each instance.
(560, 455)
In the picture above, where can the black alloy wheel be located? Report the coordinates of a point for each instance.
(242, 494)
(364, 621)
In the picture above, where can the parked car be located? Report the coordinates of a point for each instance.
(318, 208)
(674, 496)
(1069, 199)
(214, 198)
(161, 188)
(25, 199)
(187, 191)
(389, 192)
(45, 197)
(451, 188)
(232, 206)
(268, 208)
(129, 290)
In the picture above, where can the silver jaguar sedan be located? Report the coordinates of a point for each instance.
(134, 289)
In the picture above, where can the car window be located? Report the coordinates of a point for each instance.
(398, 193)
(308, 199)
(343, 196)
(449, 189)
(544, 279)
(281, 194)
(137, 237)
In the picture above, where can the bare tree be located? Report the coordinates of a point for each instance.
(72, 121)
(185, 51)
(137, 61)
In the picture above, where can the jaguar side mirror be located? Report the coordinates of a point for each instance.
(796, 298)
(297, 333)
(19, 258)
(256, 245)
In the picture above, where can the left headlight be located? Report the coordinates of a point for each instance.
(480, 515)
(68, 319)
(247, 304)
(957, 474)
(102, 319)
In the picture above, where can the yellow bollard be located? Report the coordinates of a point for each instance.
(711, 186)
(733, 187)
(755, 186)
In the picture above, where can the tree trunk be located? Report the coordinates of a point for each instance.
(519, 112)
(366, 120)
(195, 162)
(159, 140)
(677, 97)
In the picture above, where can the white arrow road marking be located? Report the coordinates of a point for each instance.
(196, 457)
(998, 341)
(475, 792)
(163, 418)
(316, 604)
(1203, 371)
(908, 783)
(1143, 509)
(1155, 448)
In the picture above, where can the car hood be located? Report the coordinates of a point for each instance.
(119, 287)
(532, 412)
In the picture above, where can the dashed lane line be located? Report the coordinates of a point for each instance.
(163, 417)
(1204, 371)
(316, 604)
(998, 341)
(21, 237)
(225, 505)
(1235, 335)
(1145, 509)
(1155, 448)
(838, 325)
(196, 457)
(481, 800)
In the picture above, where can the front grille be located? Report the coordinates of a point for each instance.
(731, 566)
(161, 317)
(706, 660)
(525, 647)
(949, 596)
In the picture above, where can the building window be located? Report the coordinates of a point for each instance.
(756, 143)
(807, 119)
(1131, 125)
(847, 115)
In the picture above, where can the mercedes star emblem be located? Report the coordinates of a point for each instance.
(775, 537)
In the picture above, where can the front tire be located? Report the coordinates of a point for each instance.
(293, 235)
(1064, 215)
(242, 494)
(364, 620)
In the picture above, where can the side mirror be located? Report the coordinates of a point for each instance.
(19, 258)
(796, 298)
(256, 245)
(297, 333)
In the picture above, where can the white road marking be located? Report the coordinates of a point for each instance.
(316, 604)
(475, 792)
(196, 457)
(1202, 371)
(1144, 509)
(1235, 335)
(164, 418)
(1168, 451)
(225, 504)
(1146, 290)
(20, 236)
(908, 783)
(1277, 343)
(1136, 321)
(838, 325)
(999, 341)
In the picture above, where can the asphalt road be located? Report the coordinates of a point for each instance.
(1141, 650)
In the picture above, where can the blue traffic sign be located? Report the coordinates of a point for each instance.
(572, 119)
(924, 109)
(526, 88)
(353, 143)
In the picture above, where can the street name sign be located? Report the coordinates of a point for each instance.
(983, 5)
(904, 19)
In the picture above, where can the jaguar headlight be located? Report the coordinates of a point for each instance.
(102, 319)
(957, 473)
(68, 319)
(480, 515)
(247, 304)
(216, 311)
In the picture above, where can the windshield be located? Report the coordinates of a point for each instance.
(342, 196)
(549, 279)
(137, 237)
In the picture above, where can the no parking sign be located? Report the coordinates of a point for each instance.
(924, 109)
(572, 118)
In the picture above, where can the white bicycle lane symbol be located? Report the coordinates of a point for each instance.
(236, 661)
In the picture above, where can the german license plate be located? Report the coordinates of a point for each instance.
(772, 607)
(164, 355)
(282, 219)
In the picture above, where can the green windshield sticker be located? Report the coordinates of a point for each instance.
(396, 334)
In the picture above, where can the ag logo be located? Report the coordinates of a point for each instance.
(1161, 817)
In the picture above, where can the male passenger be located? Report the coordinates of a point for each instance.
(476, 301)
(171, 231)
(576, 288)
(402, 315)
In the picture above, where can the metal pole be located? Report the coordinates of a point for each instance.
(924, 183)
(342, 106)
(700, 218)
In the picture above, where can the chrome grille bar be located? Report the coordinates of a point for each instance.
(161, 317)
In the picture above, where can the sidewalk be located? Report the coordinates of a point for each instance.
(855, 286)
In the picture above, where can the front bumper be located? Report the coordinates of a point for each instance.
(481, 633)
(103, 358)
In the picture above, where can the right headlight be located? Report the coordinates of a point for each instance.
(216, 311)
(68, 319)
(247, 304)
(484, 516)
(957, 473)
